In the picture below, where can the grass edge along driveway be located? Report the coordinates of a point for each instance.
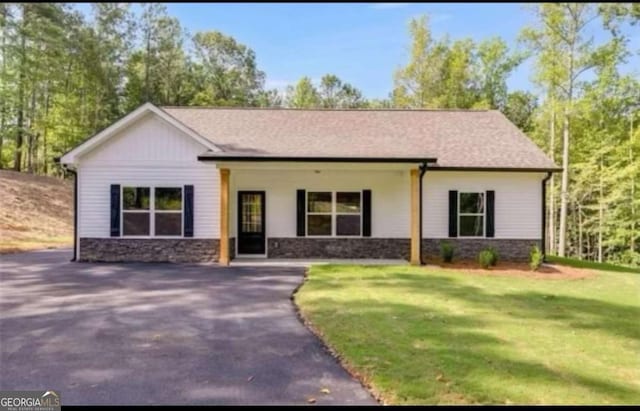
(437, 336)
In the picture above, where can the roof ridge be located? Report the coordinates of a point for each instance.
(327, 109)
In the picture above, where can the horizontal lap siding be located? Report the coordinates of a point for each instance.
(517, 201)
(389, 194)
(150, 152)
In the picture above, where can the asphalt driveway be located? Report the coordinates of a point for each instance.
(161, 334)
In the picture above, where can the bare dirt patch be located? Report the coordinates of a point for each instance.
(507, 268)
(35, 212)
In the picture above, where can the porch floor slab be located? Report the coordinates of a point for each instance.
(304, 262)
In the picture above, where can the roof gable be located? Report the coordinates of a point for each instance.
(97, 140)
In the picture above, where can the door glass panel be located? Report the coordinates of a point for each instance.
(251, 213)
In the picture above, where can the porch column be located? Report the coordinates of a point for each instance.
(223, 259)
(415, 217)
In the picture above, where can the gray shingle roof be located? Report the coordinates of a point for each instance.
(457, 138)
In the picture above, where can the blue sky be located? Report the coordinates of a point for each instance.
(361, 43)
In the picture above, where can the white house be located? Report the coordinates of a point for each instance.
(203, 184)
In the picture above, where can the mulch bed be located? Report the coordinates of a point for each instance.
(505, 268)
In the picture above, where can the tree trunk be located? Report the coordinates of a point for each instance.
(45, 167)
(552, 191)
(600, 212)
(31, 138)
(17, 161)
(633, 188)
(564, 185)
(580, 231)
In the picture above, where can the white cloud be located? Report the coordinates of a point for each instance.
(388, 6)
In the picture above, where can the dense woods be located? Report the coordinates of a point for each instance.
(65, 75)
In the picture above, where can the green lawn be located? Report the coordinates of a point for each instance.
(574, 262)
(421, 335)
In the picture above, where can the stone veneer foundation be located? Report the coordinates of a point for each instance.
(468, 248)
(204, 250)
(179, 250)
(302, 247)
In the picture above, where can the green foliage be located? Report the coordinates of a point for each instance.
(453, 74)
(446, 251)
(332, 93)
(486, 258)
(303, 94)
(520, 108)
(494, 255)
(229, 70)
(536, 258)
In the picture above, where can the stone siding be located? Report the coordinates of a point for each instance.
(303, 247)
(150, 249)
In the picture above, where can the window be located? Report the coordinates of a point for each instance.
(143, 214)
(471, 215)
(326, 210)
(168, 211)
(135, 211)
(319, 207)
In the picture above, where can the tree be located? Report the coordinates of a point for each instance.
(562, 27)
(336, 94)
(270, 98)
(229, 68)
(156, 72)
(303, 94)
(416, 84)
(459, 74)
(495, 64)
(520, 107)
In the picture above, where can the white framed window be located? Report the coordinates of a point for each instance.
(152, 211)
(471, 214)
(334, 213)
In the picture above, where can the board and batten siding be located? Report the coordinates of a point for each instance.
(518, 198)
(389, 195)
(150, 152)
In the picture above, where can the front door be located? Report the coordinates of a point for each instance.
(251, 222)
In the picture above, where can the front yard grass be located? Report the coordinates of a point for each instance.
(574, 262)
(429, 336)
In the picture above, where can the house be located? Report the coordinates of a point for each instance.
(207, 184)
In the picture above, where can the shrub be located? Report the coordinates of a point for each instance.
(494, 255)
(446, 251)
(485, 258)
(535, 258)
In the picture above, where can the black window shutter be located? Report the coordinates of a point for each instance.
(188, 211)
(453, 213)
(490, 213)
(300, 229)
(366, 213)
(115, 210)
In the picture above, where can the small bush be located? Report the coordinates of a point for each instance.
(446, 251)
(494, 255)
(535, 258)
(485, 258)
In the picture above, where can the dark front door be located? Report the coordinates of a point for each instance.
(251, 222)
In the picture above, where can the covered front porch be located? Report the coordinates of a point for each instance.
(320, 211)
